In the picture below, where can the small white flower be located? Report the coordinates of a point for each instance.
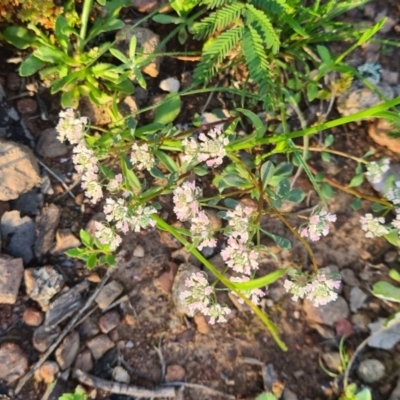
(106, 235)
(141, 157)
(373, 226)
(186, 201)
(70, 127)
(393, 194)
(376, 169)
(318, 224)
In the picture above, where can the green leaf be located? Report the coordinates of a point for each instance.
(232, 180)
(130, 176)
(282, 170)
(156, 173)
(201, 170)
(329, 140)
(323, 52)
(167, 19)
(167, 160)
(91, 261)
(325, 156)
(393, 237)
(365, 394)
(70, 99)
(110, 260)
(326, 190)
(283, 188)
(386, 291)
(63, 83)
(312, 91)
(231, 203)
(376, 207)
(19, 37)
(169, 109)
(30, 65)
(261, 282)
(295, 196)
(266, 396)
(75, 253)
(51, 55)
(86, 238)
(356, 205)
(357, 180)
(59, 30)
(279, 240)
(132, 47)
(266, 173)
(119, 55)
(260, 128)
(395, 275)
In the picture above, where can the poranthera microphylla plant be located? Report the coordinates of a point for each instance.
(130, 205)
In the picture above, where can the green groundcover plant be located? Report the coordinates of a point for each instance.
(128, 168)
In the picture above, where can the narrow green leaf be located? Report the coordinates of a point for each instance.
(167, 19)
(74, 252)
(266, 173)
(279, 240)
(201, 170)
(167, 160)
(259, 126)
(329, 140)
(323, 52)
(261, 282)
(169, 109)
(51, 55)
(60, 26)
(119, 55)
(132, 47)
(131, 177)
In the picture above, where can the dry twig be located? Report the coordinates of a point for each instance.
(122, 388)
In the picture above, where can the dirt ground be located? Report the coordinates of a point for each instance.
(228, 357)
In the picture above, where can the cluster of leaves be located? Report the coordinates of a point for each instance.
(43, 12)
(71, 62)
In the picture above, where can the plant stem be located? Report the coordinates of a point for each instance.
(87, 7)
(269, 324)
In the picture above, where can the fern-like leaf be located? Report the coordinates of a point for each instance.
(216, 52)
(272, 6)
(211, 4)
(257, 63)
(218, 20)
(259, 20)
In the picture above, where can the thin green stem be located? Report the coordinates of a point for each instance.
(267, 322)
(87, 7)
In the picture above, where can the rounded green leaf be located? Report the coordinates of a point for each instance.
(30, 65)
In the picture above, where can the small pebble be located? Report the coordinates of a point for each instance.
(32, 317)
(371, 371)
(170, 85)
(48, 371)
(139, 251)
(120, 374)
(175, 373)
(109, 321)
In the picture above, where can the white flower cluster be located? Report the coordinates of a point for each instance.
(319, 290)
(373, 226)
(187, 208)
(210, 148)
(376, 169)
(318, 224)
(141, 157)
(72, 128)
(198, 297)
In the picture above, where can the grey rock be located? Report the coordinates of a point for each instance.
(11, 271)
(357, 298)
(99, 345)
(65, 305)
(360, 98)
(381, 186)
(84, 361)
(108, 294)
(46, 225)
(28, 203)
(46, 187)
(328, 314)
(49, 145)
(120, 374)
(289, 395)
(109, 321)
(19, 170)
(88, 328)
(18, 234)
(395, 395)
(387, 338)
(68, 350)
(42, 284)
(147, 43)
(360, 322)
(13, 362)
(371, 371)
(348, 277)
(42, 339)
(185, 270)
